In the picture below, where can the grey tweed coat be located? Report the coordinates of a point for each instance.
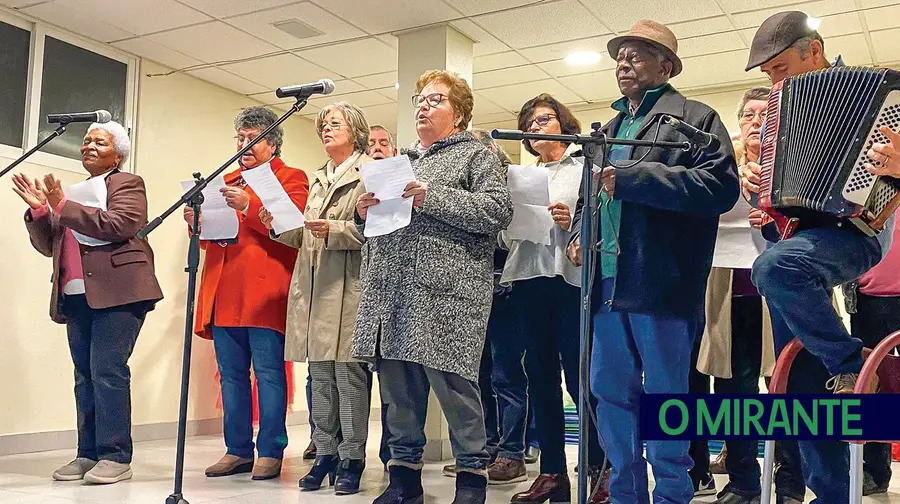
(427, 288)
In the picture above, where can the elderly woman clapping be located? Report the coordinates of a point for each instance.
(426, 290)
(103, 287)
(323, 298)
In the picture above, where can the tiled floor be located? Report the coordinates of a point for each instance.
(24, 479)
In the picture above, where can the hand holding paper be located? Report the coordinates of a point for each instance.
(530, 193)
(220, 222)
(387, 180)
(285, 214)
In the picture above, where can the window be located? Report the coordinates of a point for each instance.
(78, 80)
(15, 48)
(43, 71)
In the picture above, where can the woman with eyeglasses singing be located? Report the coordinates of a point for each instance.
(323, 298)
(547, 288)
(242, 305)
(427, 289)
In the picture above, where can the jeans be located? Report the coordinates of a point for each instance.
(550, 317)
(101, 342)
(236, 348)
(404, 395)
(875, 319)
(628, 347)
(797, 277)
(503, 383)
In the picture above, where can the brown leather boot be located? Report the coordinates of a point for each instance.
(599, 482)
(266, 468)
(552, 487)
(229, 465)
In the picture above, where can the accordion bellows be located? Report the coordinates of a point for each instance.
(819, 126)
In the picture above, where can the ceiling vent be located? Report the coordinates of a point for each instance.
(297, 28)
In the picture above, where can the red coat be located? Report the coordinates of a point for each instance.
(248, 281)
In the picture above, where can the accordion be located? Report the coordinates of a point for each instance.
(818, 128)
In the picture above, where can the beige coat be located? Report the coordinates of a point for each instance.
(324, 292)
(715, 347)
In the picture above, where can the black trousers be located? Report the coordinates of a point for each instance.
(101, 342)
(875, 319)
(742, 462)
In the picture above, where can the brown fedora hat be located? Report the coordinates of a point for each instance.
(655, 33)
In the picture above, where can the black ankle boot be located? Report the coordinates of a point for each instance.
(471, 488)
(348, 475)
(325, 465)
(405, 487)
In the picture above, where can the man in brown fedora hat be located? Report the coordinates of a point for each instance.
(658, 224)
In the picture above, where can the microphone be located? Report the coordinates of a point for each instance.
(323, 86)
(100, 116)
(703, 140)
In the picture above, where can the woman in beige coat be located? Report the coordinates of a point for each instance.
(324, 295)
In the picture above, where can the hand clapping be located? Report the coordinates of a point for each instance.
(31, 193)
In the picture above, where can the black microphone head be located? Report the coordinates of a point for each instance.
(327, 86)
(495, 133)
(103, 116)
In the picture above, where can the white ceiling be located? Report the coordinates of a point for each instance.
(520, 44)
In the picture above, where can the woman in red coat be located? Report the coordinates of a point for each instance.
(242, 307)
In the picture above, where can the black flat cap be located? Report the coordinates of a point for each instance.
(776, 34)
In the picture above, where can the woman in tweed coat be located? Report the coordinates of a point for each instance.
(426, 291)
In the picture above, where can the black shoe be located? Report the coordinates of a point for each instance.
(310, 452)
(729, 497)
(531, 454)
(471, 488)
(348, 475)
(325, 465)
(405, 487)
(872, 488)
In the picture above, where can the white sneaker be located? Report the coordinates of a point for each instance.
(107, 472)
(706, 486)
(74, 470)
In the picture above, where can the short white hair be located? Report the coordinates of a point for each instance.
(121, 142)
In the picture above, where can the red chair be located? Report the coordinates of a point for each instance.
(877, 362)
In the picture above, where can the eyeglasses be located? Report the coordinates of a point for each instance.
(434, 99)
(333, 125)
(542, 120)
(242, 139)
(749, 115)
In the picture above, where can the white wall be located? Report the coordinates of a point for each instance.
(184, 125)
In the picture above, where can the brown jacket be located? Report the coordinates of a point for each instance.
(116, 274)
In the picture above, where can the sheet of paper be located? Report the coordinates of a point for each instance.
(285, 214)
(387, 179)
(90, 193)
(737, 244)
(530, 192)
(529, 185)
(218, 220)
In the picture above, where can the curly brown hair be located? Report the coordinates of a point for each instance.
(568, 124)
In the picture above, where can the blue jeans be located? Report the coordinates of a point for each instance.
(236, 348)
(797, 277)
(503, 383)
(628, 347)
(101, 342)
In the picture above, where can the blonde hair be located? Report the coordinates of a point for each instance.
(461, 98)
(356, 121)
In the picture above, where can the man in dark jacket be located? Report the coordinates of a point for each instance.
(658, 220)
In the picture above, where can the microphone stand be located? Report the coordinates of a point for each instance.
(594, 146)
(194, 198)
(57, 132)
